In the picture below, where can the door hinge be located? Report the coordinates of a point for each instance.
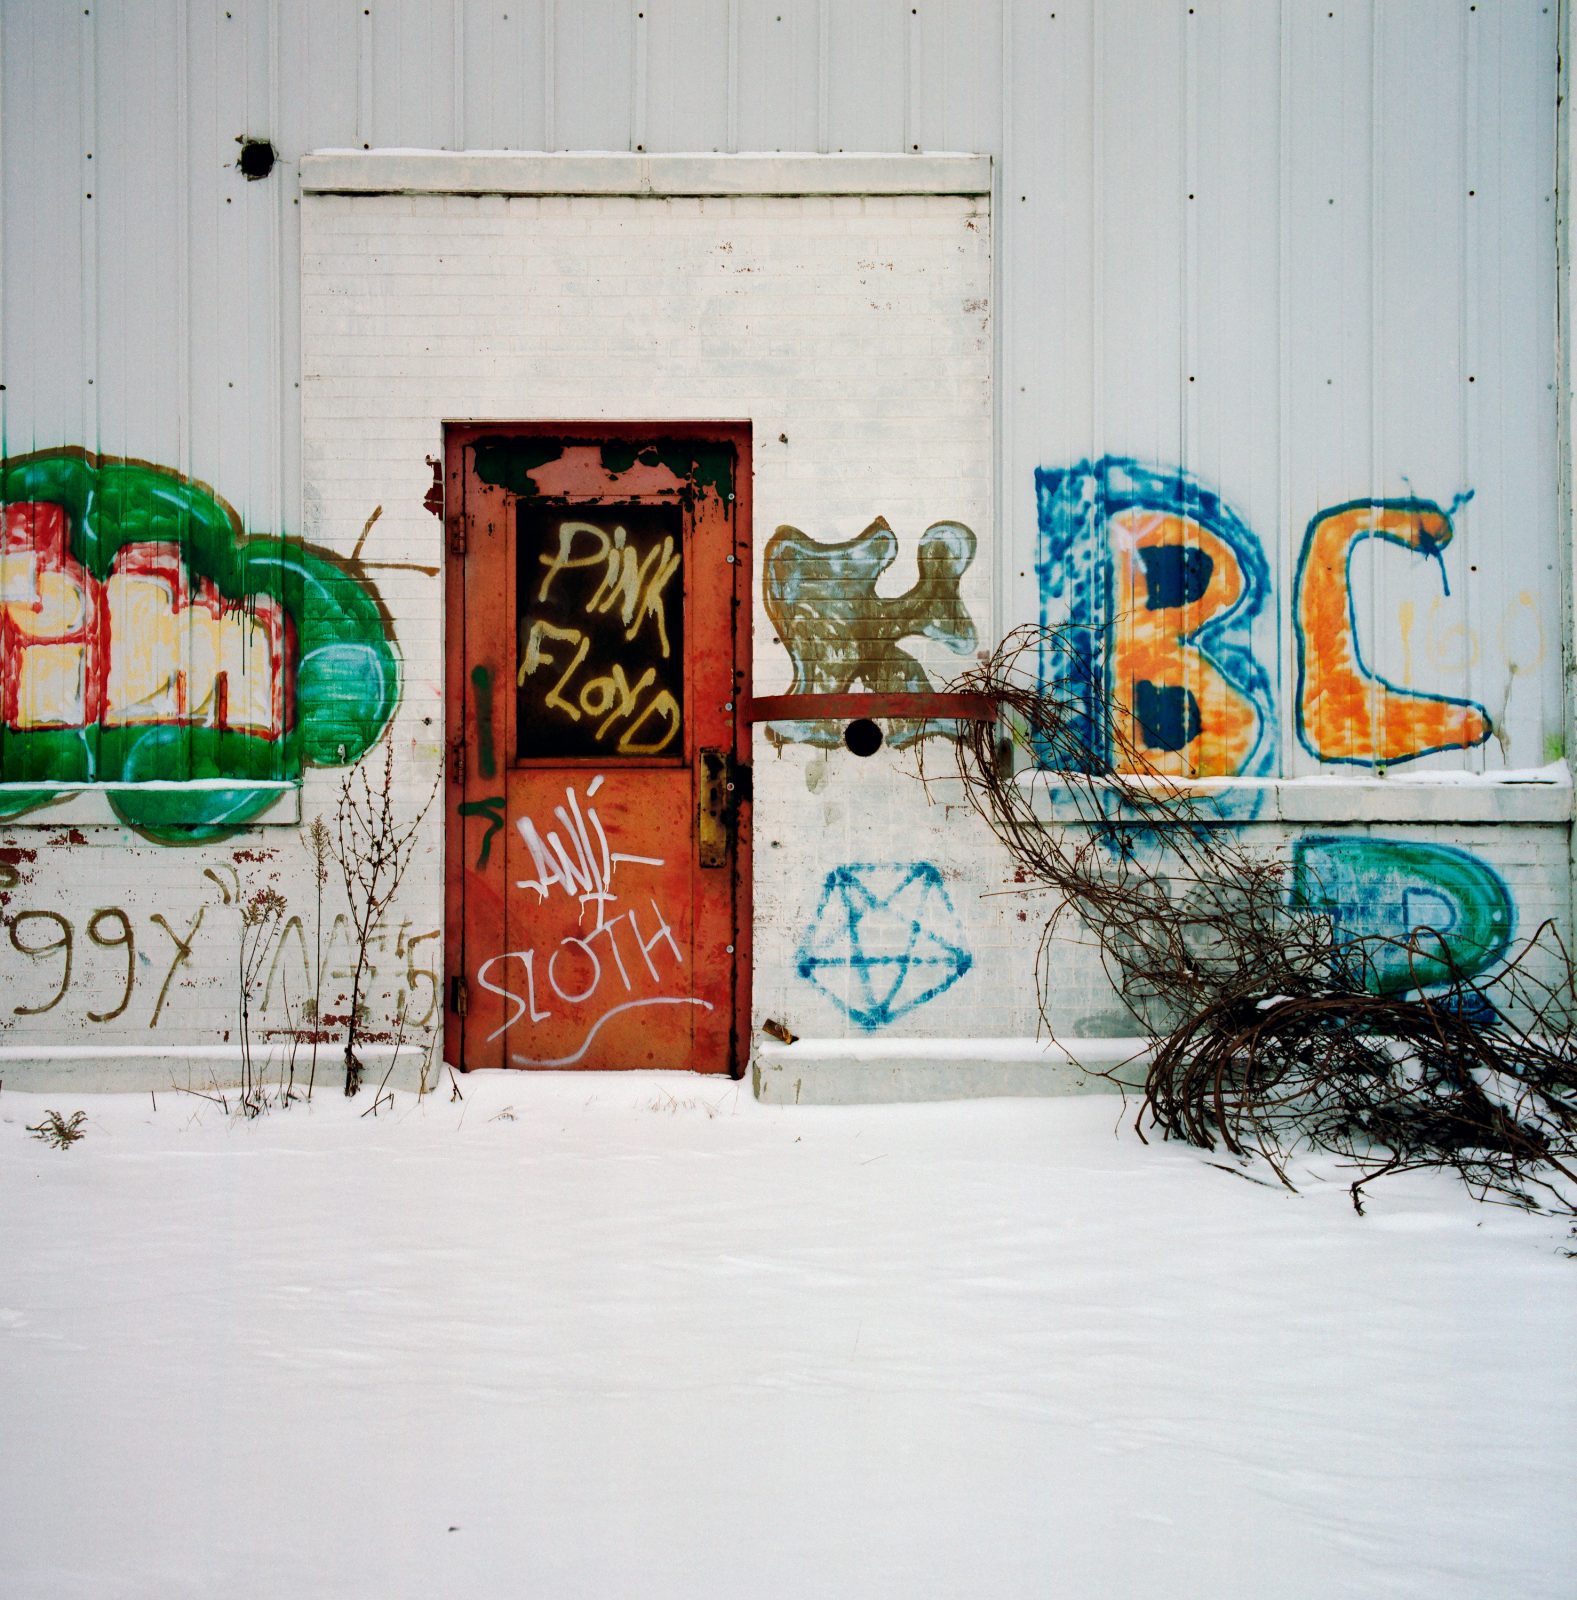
(457, 536)
(457, 759)
(459, 996)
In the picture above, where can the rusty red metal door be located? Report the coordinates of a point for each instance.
(598, 821)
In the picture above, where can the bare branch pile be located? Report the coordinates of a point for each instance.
(1267, 1029)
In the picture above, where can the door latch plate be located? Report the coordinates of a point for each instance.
(714, 811)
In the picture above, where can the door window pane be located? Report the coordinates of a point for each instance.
(600, 641)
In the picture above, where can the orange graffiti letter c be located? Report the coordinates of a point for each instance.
(1346, 712)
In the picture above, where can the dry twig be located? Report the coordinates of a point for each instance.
(373, 849)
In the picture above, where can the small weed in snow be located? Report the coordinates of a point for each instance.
(62, 1132)
(672, 1104)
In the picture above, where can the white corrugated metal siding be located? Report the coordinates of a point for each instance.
(1304, 251)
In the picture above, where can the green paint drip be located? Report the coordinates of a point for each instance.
(492, 810)
(712, 467)
(698, 463)
(482, 682)
(618, 455)
(347, 677)
(507, 463)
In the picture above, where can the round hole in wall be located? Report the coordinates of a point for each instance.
(257, 158)
(863, 737)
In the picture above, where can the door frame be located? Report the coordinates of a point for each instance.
(458, 435)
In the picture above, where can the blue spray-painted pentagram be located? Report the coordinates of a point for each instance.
(885, 939)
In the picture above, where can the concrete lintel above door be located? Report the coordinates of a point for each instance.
(617, 173)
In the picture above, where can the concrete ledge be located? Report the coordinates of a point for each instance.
(101, 1069)
(869, 1072)
(618, 173)
(88, 805)
(1541, 796)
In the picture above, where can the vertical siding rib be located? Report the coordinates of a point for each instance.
(779, 90)
(594, 47)
(88, 256)
(1142, 184)
(637, 79)
(6, 204)
(1048, 331)
(457, 74)
(1097, 431)
(1364, 604)
(1006, 577)
(683, 75)
(1476, 405)
(133, 173)
(823, 75)
(1279, 537)
(366, 91)
(1512, 463)
(913, 41)
(181, 319)
(867, 53)
(550, 131)
(731, 80)
(275, 197)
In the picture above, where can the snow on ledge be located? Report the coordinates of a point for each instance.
(111, 1068)
(876, 1071)
(1516, 795)
(1101, 1052)
(509, 172)
(88, 804)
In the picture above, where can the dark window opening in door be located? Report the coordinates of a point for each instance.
(600, 640)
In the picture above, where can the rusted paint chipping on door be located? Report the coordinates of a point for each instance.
(598, 840)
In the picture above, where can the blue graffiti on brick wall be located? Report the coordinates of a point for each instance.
(885, 939)
(1155, 585)
(823, 604)
(1379, 894)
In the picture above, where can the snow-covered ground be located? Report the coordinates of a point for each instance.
(641, 1336)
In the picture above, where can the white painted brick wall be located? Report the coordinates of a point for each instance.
(858, 328)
